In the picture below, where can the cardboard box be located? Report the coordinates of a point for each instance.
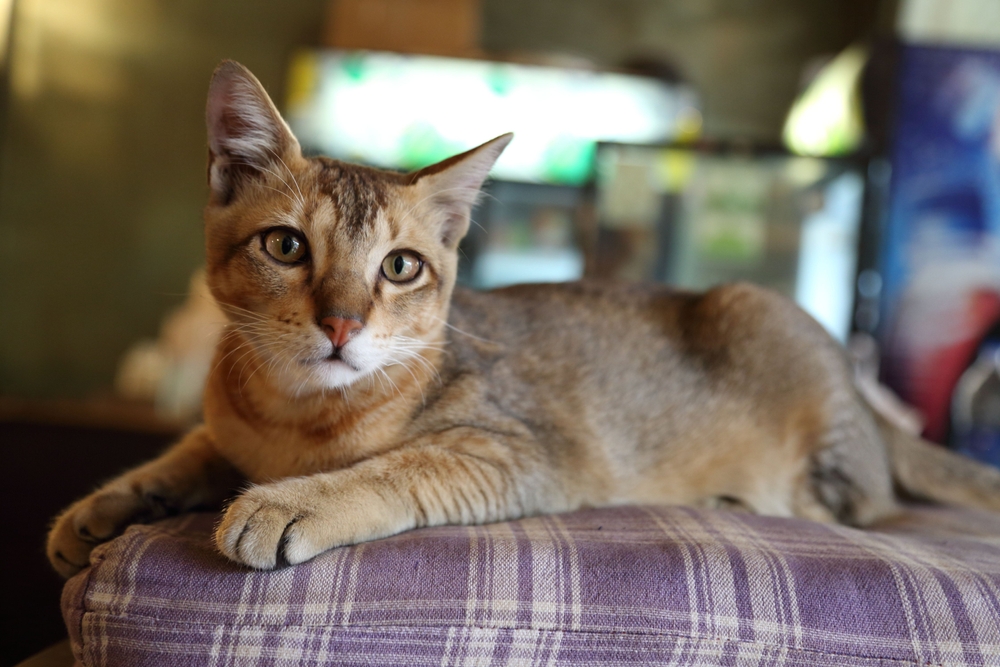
(436, 27)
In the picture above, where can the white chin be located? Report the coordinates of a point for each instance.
(317, 377)
(333, 374)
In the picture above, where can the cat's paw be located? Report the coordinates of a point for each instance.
(274, 525)
(96, 519)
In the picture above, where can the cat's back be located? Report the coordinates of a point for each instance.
(627, 338)
(587, 311)
(625, 316)
(557, 332)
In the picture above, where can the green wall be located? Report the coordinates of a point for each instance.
(102, 177)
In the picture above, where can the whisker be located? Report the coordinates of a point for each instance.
(466, 333)
(265, 169)
(302, 198)
(423, 399)
(284, 194)
(253, 347)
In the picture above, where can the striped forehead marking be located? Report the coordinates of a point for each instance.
(358, 193)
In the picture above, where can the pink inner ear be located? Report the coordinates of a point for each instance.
(241, 119)
(245, 132)
(454, 227)
(218, 119)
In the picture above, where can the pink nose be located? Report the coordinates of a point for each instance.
(339, 330)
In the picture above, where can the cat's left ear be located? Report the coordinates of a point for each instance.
(246, 134)
(452, 186)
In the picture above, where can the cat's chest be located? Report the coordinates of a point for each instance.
(270, 441)
(264, 454)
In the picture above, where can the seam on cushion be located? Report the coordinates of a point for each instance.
(322, 626)
(85, 610)
(679, 635)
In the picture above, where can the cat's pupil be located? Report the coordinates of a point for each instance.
(287, 245)
(399, 264)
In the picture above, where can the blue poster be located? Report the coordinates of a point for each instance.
(941, 246)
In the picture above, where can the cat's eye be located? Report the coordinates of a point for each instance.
(284, 246)
(401, 267)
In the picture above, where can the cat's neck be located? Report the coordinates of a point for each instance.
(248, 384)
(267, 432)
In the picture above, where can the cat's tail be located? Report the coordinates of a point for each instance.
(925, 470)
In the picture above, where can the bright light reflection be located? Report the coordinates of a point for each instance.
(408, 111)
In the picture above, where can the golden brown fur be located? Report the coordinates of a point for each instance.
(451, 406)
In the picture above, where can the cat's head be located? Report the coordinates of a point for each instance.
(331, 271)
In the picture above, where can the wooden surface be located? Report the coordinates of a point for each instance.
(57, 655)
(96, 412)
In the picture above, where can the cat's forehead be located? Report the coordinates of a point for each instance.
(357, 193)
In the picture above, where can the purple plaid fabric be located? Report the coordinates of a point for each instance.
(621, 586)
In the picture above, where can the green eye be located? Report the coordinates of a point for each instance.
(401, 267)
(284, 246)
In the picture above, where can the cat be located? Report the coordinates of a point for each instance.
(362, 394)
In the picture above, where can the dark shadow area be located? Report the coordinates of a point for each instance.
(50, 466)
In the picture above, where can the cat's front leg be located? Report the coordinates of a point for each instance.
(461, 477)
(187, 475)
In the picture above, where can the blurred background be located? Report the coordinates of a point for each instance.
(845, 153)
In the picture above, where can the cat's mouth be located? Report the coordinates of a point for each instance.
(337, 358)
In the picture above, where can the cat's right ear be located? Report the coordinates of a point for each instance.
(246, 134)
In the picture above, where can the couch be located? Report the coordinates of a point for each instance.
(617, 586)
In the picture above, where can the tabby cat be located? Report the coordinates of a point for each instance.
(361, 394)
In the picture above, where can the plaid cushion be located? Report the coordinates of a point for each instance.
(629, 585)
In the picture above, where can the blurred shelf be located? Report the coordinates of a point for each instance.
(95, 412)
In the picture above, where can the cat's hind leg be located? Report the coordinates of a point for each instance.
(849, 472)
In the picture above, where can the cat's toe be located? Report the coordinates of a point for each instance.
(304, 539)
(261, 539)
(257, 530)
(286, 542)
(66, 551)
(106, 515)
(84, 525)
(93, 520)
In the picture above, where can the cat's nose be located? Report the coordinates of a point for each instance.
(340, 330)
